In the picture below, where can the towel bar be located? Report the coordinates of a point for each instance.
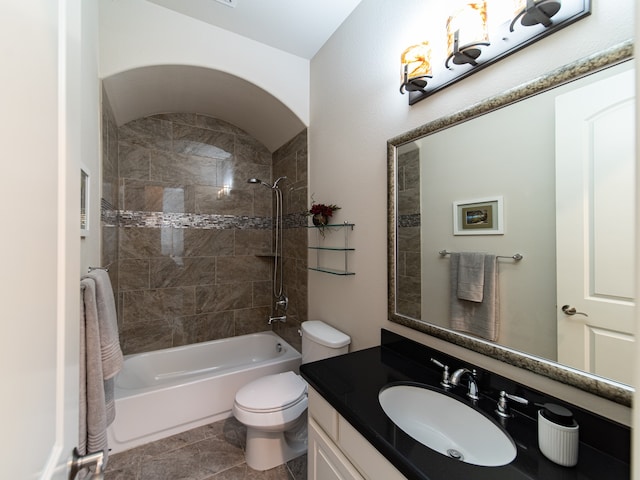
(517, 257)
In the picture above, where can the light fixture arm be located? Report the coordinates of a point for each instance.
(535, 13)
(468, 54)
(417, 84)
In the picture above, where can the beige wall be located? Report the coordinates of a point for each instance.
(356, 107)
(137, 33)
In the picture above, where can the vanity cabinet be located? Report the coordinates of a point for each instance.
(325, 460)
(337, 451)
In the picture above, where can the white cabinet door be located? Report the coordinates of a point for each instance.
(325, 461)
(596, 247)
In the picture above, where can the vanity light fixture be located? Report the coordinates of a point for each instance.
(510, 24)
(468, 26)
(416, 67)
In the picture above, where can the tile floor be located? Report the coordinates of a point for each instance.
(211, 452)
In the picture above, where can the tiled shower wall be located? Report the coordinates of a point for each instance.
(195, 242)
(290, 161)
(409, 282)
(110, 191)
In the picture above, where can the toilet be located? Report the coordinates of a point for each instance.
(274, 407)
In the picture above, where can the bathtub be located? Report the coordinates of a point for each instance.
(165, 392)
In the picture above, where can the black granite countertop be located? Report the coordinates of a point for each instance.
(351, 383)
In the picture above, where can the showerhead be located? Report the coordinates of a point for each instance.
(257, 180)
(274, 186)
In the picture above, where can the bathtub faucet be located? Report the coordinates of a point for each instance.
(282, 318)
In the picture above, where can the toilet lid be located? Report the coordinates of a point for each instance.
(273, 392)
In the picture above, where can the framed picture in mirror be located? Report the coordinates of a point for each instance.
(483, 216)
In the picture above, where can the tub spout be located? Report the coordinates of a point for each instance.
(282, 318)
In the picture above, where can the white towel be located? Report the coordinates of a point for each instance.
(100, 360)
(477, 318)
(470, 276)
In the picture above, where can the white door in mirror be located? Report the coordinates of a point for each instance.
(595, 227)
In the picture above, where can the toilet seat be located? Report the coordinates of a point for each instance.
(272, 393)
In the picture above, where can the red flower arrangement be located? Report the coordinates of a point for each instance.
(322, 209)
(321, 213)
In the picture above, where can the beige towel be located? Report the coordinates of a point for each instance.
(100, 360)
(470, 276)
(477, 318)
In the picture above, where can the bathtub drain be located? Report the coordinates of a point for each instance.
(278, 347)
(455, 454)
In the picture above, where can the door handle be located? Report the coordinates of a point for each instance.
(569, 310)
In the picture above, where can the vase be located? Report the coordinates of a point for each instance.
(320, 220)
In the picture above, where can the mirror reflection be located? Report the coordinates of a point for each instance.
(548, 179)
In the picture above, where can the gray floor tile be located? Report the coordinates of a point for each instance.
(211, 452)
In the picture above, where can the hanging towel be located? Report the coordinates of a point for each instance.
(470, 276)
(100, 360)
(477, 318)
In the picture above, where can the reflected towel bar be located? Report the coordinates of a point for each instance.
(106, 268)
(517, 257)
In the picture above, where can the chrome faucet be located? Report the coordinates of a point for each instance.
(445, 373)
(282, 318)
(472, 393)
(503, 409)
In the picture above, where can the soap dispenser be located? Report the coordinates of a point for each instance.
(558, 434)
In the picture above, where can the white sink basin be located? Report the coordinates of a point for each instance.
(447, 425)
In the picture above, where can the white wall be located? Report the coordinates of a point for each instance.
(356, 107)
(89, 135)
(136, 33)
(635, 438)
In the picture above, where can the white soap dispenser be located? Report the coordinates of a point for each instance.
(558, 434)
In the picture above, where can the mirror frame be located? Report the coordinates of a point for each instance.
(600, 386)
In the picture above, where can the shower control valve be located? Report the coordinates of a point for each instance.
(283, 302)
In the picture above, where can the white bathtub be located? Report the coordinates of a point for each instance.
(168, 391)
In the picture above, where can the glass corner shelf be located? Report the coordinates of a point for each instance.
(332, 271)
(328, 225)
(321, 236)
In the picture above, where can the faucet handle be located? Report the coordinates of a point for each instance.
(503, 408)
(445, 373)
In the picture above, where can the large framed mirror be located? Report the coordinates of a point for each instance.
(509, 161)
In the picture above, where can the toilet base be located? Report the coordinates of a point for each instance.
(266, 450)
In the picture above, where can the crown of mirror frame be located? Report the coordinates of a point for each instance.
(479, 34)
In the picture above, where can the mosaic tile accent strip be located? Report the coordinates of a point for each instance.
(127, 218)
(412, 220)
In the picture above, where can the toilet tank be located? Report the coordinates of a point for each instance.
(320, 340)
